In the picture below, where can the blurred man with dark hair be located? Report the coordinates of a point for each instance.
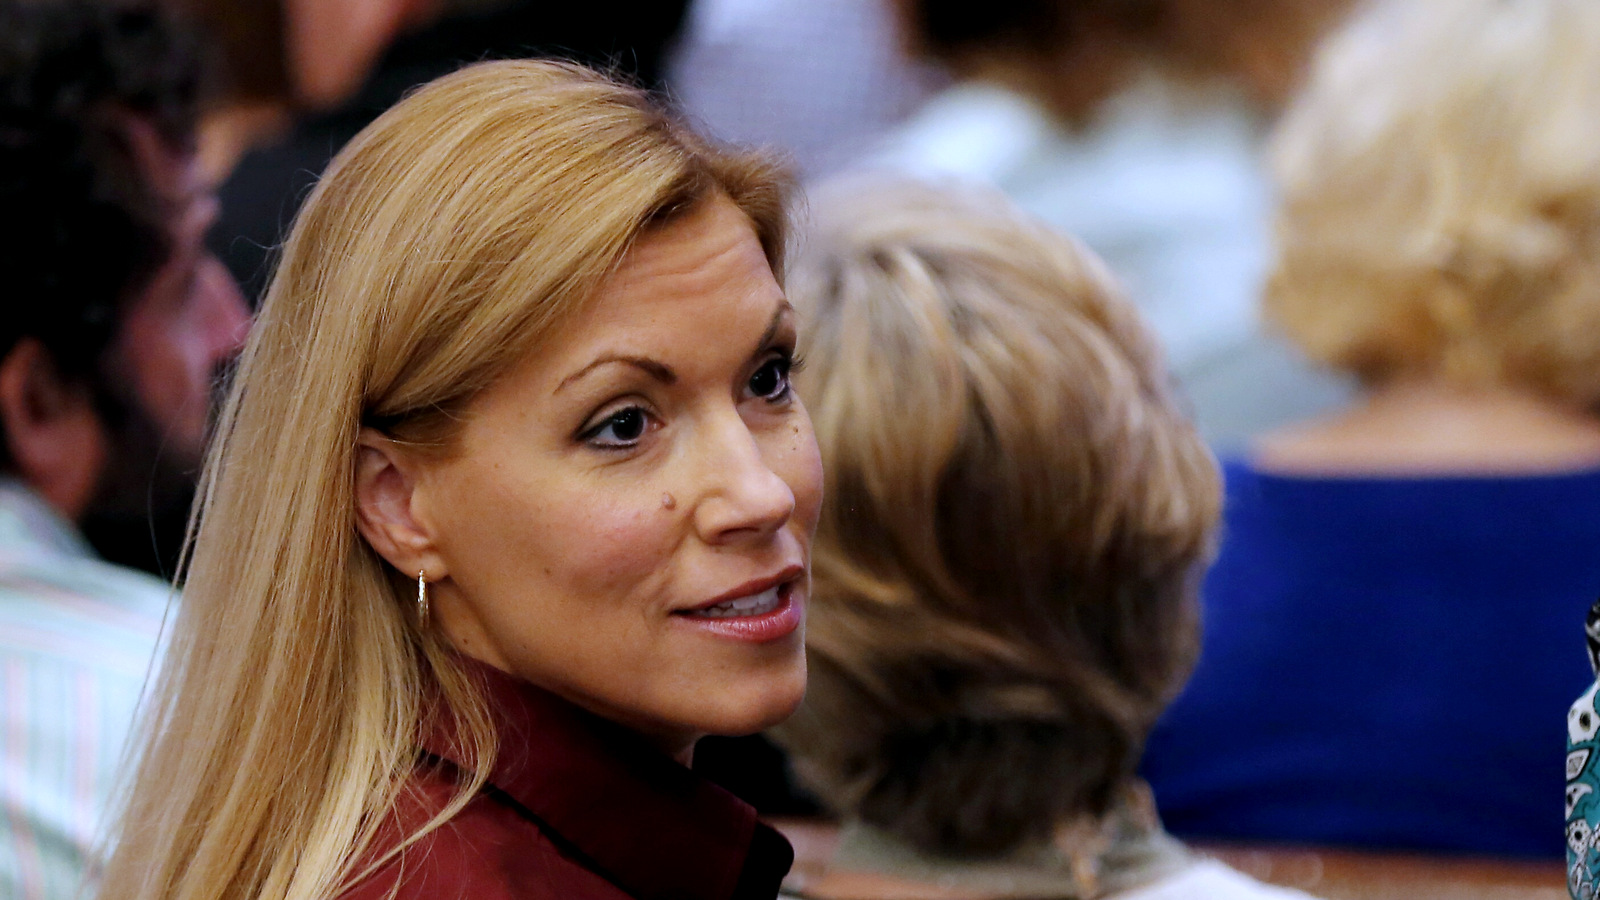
(114, 320)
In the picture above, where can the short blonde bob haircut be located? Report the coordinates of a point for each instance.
(441, 247)
(1440, 182)
(1016, 519)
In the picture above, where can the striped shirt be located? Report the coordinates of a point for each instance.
(77, 636)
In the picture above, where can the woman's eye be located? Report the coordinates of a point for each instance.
(622, 428)
(771, 381)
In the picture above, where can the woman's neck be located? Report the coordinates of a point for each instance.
(1427, 427)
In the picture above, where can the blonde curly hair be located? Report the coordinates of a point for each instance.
(1440, 181)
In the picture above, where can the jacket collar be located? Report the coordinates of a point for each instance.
(642, 820)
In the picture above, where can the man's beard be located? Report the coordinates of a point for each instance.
(140, 509)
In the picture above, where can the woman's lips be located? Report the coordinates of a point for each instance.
(761, 617)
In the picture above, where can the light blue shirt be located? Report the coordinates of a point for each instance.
(77, 636)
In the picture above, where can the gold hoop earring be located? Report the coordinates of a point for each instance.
(422, 597)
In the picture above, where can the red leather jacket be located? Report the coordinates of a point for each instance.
(575, 807)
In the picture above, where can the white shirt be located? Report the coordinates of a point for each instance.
(77, 637)
(819, 79)
(1210, 880)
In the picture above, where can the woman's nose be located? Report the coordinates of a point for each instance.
(742, 498)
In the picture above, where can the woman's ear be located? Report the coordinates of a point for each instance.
(386, 504)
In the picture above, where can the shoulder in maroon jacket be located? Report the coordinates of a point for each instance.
(487, 852)
(575, 807)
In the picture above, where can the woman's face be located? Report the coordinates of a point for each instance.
(628, 520)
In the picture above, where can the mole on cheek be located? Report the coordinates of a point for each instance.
(668, 502)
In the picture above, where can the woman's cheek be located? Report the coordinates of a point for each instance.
(803, 471)
(618, 544)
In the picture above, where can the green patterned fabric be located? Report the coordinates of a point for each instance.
(1583, 779)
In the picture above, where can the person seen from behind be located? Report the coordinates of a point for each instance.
(1137, 128)
(1380, 667)
(1016, 521)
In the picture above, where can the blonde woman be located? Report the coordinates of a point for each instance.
(511, 502)
(1384, 622)
(1006, 564)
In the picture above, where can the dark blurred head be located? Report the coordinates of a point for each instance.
(116, 319)
(1073, 53)
(317, 54)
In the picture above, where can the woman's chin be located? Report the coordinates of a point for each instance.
(758, 707)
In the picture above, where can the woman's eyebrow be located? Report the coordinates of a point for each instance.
(656, 370)
(784, 306)
(662, 372)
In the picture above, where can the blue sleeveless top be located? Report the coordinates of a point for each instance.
(1387, 662)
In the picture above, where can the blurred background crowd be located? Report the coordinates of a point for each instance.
(1365, 239)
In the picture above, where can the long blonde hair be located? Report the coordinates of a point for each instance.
(441, 246)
